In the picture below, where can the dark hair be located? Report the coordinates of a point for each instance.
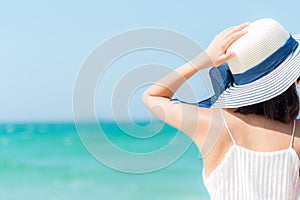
(284, 108)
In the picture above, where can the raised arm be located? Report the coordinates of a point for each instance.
(184, 117)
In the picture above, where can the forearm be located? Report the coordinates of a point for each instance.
(169, 84)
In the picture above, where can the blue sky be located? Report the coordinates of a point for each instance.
(44, 43)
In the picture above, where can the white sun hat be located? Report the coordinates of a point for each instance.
(266, 64)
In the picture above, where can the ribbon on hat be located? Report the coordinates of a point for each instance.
(222, 78)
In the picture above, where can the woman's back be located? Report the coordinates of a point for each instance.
(254, 78)
(254, 158)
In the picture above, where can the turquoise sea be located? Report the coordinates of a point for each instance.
(43, 161)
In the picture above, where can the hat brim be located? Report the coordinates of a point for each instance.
(265, 88)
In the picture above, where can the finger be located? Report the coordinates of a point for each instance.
(228, 30)
(230, 55)
(234, 29)
(242, 26)
(233, 37)
(225, 57)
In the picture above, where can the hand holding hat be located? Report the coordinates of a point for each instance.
(217, 50)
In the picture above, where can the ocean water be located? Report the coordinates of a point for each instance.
(55, 162)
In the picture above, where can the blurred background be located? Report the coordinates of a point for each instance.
(43, 47)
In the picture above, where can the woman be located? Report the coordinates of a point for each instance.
(256, 153)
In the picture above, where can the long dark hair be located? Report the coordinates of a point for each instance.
(284, 108)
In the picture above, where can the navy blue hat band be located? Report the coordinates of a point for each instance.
(268, 65)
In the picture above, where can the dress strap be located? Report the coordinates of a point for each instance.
(293, 133)
(227, 128)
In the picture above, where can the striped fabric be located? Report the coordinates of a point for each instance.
(245, 174)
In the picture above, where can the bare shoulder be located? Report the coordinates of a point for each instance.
(195, 121)
(296, 142)
(190, 119)
(261, 134)
(200, 124)
(297, 129)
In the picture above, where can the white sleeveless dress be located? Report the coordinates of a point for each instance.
(247, 174)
